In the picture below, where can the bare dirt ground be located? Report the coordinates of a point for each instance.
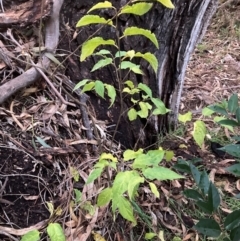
(34, 177)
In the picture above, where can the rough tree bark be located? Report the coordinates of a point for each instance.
(178, 31)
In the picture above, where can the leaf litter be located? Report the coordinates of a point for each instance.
(38, 171)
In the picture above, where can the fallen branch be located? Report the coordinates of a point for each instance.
(31, 75)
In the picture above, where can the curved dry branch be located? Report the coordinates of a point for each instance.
(31, 75)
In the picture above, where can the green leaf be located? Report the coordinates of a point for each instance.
(130, 154)
(150, 236)
(208, 227)
(129, 65)
(143, 113)
(218, 109)
(207, 112)
(108, 156)
(103, 52)
(160, 173)
(126, 210)
(228, 122)
(161, 109)
(132, 114)
(120, 183)
(205, 206)
(232, 220)
(169, 155)
(55, 232)
(213, 197)
(111, 92)
(199, 132)
(133, 186)
(146, 89)
(219, 118)
(78, 196)
(193, 194)
(104, 197)
(95, 173)
(137, 9)
(238, 114)
(88, 87)
(101, 5)
(90, 45)
(182, 166)
(166, 3)
(81, 83)
(75, 174)
(186, 117)
(33, 235)
(93, 19)
(152, 158)
(150, 58)
(204, 182)
(195, 173)
(129, 83)
(102, 63)
(140, 31)
(233, 103)
(99, 88)
(120, 54)
(154, 189)
(42, 142)
(232, 149)
(235, 234)
(234, 169)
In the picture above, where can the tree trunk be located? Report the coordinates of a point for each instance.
(178, 31)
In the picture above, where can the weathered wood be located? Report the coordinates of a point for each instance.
(25, 13)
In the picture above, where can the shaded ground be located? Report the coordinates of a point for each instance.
(33, 175)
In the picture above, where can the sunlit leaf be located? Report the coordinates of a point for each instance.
(186, 117)
(81, 83)
(104, 197)
(154, 189)
(111, 92)
(88, 87)
(199, 132)
(33, 235)
(150, 236)
(166, 3)
(150, 58)
(133, 186)
(95, 173)
(99, 88)
(132, 114)
(143, 113)
(137, 9)
(146, 89)
(55, 232)
(140, 31)
(92, 19)
(101, 63)
(126, 210)
(130, 154)
(160, 173)
(89, 46)
(101, 5)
